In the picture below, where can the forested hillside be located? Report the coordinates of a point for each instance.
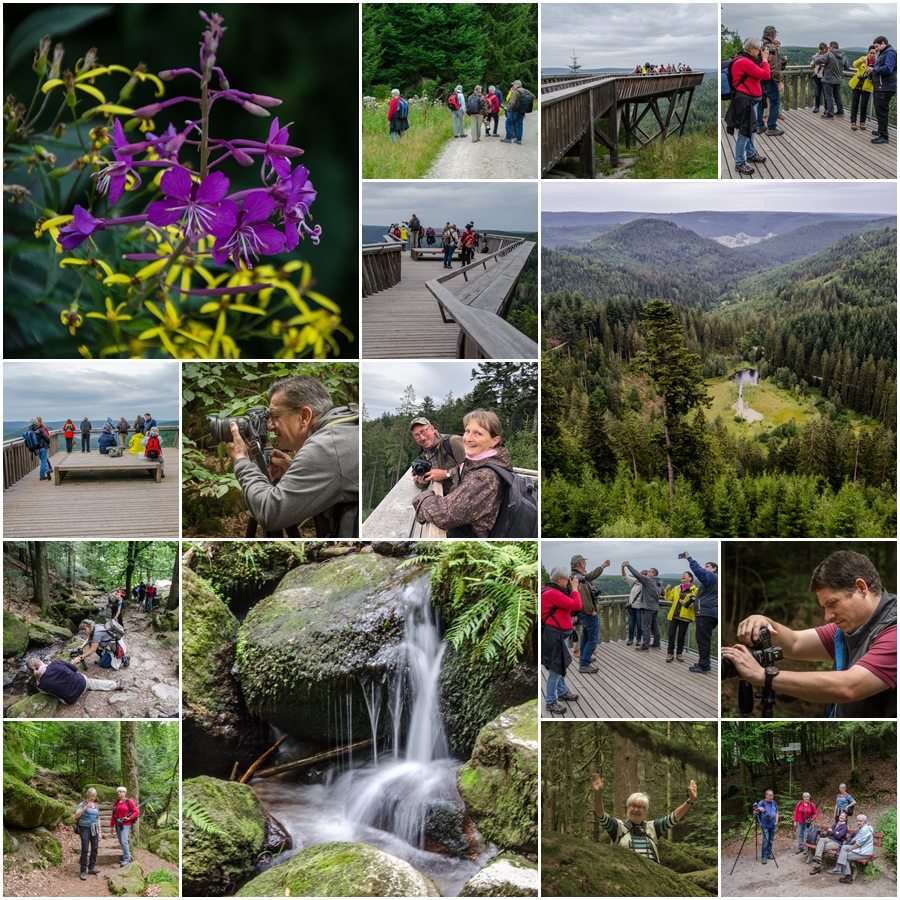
(641, 435)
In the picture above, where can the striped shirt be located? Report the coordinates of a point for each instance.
(636, 837)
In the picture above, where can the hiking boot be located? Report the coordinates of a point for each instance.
(756, 158)
(120, 686)
(642, 649)
(880, 140)
(679, 657)
(505, 141)
(518, 142)
(780, 116)
(799, 850)
(697, 668)
(744, 169)
(815, 870)
(555, 707)
(761, 128)
(853, 126)
(827, 115)
(847, 879)
(669, 657)
(93, 870)
(764, 861)
(656, 646)
(628, 643)
(774, 132)
(587, 670)
(835, 871)
(568, 696)
(83, 875)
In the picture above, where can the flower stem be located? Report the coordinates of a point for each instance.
(204, 140)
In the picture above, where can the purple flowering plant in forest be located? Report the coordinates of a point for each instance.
(188, 276)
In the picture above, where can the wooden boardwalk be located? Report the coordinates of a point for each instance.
(404, 322)
(115, 504)
(813, 147)
(633, 685)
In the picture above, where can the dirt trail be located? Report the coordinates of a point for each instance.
(64, 881)
(792, 878)
(464, 159)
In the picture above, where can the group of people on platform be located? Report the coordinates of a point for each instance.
(663, 69)
(757, 84)
(469, 239)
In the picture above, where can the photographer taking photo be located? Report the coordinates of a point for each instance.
(322, 478)
(859, 638)
(767, 811)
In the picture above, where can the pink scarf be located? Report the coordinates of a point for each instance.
(486, 455)
(42, 669)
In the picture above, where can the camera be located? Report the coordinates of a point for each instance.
(75, 651)
(253, 426)
(763, 652)
(421, 467)
(580, 578)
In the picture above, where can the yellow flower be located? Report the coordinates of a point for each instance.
(79, 83)
(72, 319)
(92, 263)
(111, 315)
(320, 326)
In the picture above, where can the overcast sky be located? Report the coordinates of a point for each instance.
(491, 205)
(807, 24)
(660, 554)
(59, 389)
(622, 35)
(662, 197)
(384, 381)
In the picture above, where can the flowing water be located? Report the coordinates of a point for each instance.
(745, 376)
(386, 801)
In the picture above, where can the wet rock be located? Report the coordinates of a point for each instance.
(304, 649)
(34, 707)
(224, 832)
(24, 807)
(504, 876)
(341, 869)
(43, 633)
(393, 548)
(277, 836)
(15, 634)
(499, 783)
(445, 829)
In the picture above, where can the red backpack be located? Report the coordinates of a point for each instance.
(453, 101)
(153, 447)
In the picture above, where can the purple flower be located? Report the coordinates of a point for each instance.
(79, 229)
(249, 233)
(197, 206)
(277, 137)
(112, 179)
(297, 194)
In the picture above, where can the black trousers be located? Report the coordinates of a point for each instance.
(677, 627)
(859, 102)
(650, 626)
(705, 627)
(88, 842)
(882, 100)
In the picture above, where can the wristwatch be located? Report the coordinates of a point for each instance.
(771, 672)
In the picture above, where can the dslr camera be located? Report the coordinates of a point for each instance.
(253, 426)
(421, 466)
(763, 652)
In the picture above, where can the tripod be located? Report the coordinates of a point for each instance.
(258, 455)
(755, 826)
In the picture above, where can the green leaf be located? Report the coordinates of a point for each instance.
(52, 268)
(55, 21)
(187, 395)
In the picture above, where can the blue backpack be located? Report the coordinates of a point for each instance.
(402, 108)
(32, 440)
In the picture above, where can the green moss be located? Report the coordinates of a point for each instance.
(35, 706)
(165, 845)
(130, 883)
(708, 879)
(14, 762)
(680, 858)
(15, 634)
(43, 633)
(105, 793)
(24, 807)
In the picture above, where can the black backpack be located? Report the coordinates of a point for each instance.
(473, 105)
(526, 101)
(518, 516)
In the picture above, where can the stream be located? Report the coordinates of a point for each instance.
(745, 376)
(386, 800)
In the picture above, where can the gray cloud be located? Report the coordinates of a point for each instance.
(491, 205)
(619, 36)
(57, 389)
(806, 24)
(384, 381)
(660, 554)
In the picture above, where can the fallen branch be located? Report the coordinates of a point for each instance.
(312, 760)
(246, 776)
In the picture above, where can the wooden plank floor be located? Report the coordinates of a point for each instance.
(405, 322)
(633, 685)
(813, 147)
(116, 505)
(84, 463)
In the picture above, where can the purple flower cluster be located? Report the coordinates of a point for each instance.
(200, 205)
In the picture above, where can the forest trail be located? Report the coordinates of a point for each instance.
(792, 878)
(64, 881)
(463, 159)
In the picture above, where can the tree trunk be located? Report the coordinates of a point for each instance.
(175, 591)
(70, 564)
(41, 576)
(567, 768)
(625, 757)
(669, 466)
(128, 752)
(130, 558)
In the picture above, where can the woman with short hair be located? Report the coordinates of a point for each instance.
(87, 818)
(748, 71)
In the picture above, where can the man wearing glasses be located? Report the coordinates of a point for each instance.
(321, 480)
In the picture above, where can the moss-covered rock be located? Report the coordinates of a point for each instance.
(224, 832)
(507, 875)
(43, 633)
(217, 727)
(341, 870)
(15, 634)
(24, 807)
(128, 881)
(34, 849)
(682, 858)
(708, 879)
(327, 625)
(165, 845)
(499, 783)
(37, 706)
(15, 765)
(579, 867)
(167, 889)
(106, 793)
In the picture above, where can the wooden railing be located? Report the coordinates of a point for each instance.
(800, 93)
(480, 314)
(18, 460)
(614, 619)
(380, 266)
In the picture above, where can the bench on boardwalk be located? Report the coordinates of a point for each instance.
(91, 463)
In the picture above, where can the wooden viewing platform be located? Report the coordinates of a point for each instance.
(813, 147)
(571, 109)
(460, 314)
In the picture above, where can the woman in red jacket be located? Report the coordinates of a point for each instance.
(69, 434)
(749, 69)
(397, 121)
(558, 599)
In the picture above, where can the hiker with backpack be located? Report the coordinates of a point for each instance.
(772, 87)
(153, 449)
(69, 434)
(469, 242)
(415, 231)
(87, 826)
(37, 440)
(475, 109)
(429, 236)
(398, 116)
(86, 435)
(122, 431)
(518, 104)
(107, 439)
(745, 74)
(444, 451)
(559, 599)
(124, 815)
(474, 507)
(105, 641)
(635, 831)
(456, 102)
(61, 679)
(117, 606)
(589, 615)
(493, 99)
(449, 240)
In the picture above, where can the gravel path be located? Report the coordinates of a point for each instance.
(462, 158)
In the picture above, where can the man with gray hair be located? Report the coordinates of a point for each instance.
(514, 116)
(321, 481)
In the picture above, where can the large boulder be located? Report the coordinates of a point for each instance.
(15, 763)
(24, 807)
(504, 876)
(224, 832)
(129, 881)
(217, 727)
(43, 633)
(165, 845)
(33, 849)
(326, 627)
(341, 869)
(499, 784)
(15, 634)
(37, 706)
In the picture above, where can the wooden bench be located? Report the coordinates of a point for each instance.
(855, 864)
(97, 462)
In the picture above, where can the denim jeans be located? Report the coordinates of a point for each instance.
(802, 829)
(768, 839)
(459, 120)
(820, 91)
(45, 464)
(556, 687)
(122, 834)
(448, 254)
(634, 623)
(590, 637)
(770, 91)
(743, 147)
(514, 122)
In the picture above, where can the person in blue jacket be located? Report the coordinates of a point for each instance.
(767, 811)
(884, 85)
(107, 439)
(706, 608)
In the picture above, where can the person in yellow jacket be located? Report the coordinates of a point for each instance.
(134, 444)
(862, 87)
(681, 614)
